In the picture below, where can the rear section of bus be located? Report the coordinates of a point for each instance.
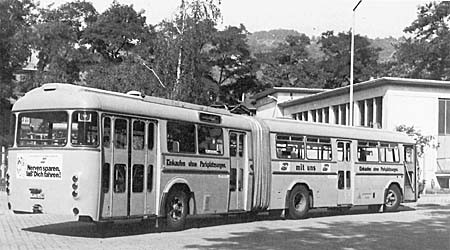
(54, 164)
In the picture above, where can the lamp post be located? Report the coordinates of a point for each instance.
(352, 54)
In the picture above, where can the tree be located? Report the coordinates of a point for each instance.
(120, 42)
(57, 38)
(16, 19)
(290, 64)
(427, 53)
(181, 53)
(115, 32)
(232, 65)
(336, 62)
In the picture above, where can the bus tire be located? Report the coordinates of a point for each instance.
(298, 203)
(392, 199)
(177, 207)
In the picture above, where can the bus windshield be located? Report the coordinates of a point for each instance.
(36, 129)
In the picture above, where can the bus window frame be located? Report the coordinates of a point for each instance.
(318, 142)
(218, 145)
(393, 145)
(288, 141)
(178, 143)
(99, 128)
(19, 123)
(367, 142)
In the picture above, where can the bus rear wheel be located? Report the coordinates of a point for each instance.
(298, 203)
(176, 210)
(392, 199)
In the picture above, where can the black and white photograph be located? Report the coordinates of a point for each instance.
(225, 124)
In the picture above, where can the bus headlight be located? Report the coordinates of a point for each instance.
(75, 185)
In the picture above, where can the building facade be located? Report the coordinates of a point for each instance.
(381, 103)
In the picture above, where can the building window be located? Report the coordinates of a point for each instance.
(444, 117)
(379, 113)
(305, 115)
(362, 112)
(336, 114)
(326, 118)
(319, 115)
(343, 116)
(313, 115)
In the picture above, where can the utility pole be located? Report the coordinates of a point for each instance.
(352, 55)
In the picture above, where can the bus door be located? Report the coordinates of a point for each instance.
(138, 155)
(120, 168)
(410, 190)
(115, 167)
(237, 165)
(344, 172)
(143, 157)
(106, 173)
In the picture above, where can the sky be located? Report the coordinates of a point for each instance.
(373, 18)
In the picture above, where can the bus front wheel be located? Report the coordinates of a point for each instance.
(392, 199)
(298, 202)
(176, 209)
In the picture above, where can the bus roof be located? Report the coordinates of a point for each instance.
(336, 131)
(62, 96)
(58, 96)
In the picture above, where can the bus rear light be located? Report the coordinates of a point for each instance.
(75, 211)
(7, 191)
(7, 176)
(75, 185)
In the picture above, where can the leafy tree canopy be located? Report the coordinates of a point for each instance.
(427, 53)
(16, 18)
(336, 62)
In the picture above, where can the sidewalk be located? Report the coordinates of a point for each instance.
(3, 203)
(433, 199)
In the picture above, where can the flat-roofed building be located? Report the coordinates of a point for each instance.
(381, 103)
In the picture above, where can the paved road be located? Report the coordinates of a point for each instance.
(422, 225)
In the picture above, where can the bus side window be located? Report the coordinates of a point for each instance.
(368, 151)
(241, 145)
(138, 178)
(409, 154)
(150, 178)
(105, 178)
(151, 136)
(210, 140)
(138, 135)
(119, 178)
(180, 137)
(120, 134)
(106, 132)
(233, 144)
(389, 153)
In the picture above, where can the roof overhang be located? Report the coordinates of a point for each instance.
(368, 85)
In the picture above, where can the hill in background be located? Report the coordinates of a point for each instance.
(263, 41)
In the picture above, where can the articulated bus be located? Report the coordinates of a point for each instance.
(107, 156)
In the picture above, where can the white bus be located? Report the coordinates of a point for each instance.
(108, 156)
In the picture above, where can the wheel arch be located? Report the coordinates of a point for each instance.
(398, 185)
(177, 184)
(299, 183)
